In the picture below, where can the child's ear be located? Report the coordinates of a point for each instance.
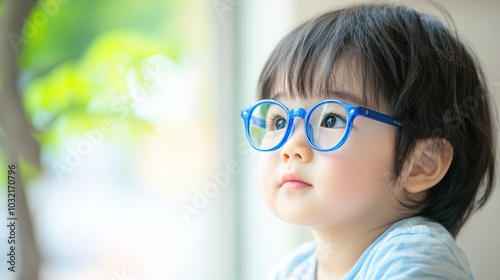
(428, 164)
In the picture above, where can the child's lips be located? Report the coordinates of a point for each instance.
(292, 181)
(295, 185)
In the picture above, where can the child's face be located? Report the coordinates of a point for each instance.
(344, 189)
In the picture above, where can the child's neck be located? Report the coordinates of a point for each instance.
(338, 253)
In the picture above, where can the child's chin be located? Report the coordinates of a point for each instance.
(296, 218)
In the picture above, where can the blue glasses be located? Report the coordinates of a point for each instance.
(269, 123)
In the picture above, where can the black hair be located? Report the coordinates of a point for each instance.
(422, 73)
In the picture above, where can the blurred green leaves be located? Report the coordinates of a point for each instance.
(75, 67)
(72, 26)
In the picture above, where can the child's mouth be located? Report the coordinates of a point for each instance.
(292, 181)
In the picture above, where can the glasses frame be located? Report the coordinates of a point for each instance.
(352, 112)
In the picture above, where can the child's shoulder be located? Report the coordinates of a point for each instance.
(417, 233)
(417, 248)
(419, 229)
(413, 248)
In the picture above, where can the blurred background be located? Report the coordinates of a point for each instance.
(122, 118)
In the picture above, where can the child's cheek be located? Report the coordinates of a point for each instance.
(360, 171)
(361, 166)
(341, 174)
(268, 164)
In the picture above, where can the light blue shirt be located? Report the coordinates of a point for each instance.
(413, 248)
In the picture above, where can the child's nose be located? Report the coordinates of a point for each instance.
(297, 147)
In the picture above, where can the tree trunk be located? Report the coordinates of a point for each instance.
(15, 129)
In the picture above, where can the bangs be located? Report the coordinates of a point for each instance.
(322, 59)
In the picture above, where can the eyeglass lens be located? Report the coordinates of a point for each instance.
(326, 125)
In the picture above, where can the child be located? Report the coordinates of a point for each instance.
(375, 131)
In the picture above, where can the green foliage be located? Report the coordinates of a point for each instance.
(2, 7)
(77, 63)
(71, 28)
(77, 96)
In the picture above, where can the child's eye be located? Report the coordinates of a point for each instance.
(333, 121)
(276, 123)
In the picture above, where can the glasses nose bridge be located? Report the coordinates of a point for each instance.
(298, 112)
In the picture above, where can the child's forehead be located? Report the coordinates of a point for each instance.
(333, 72)
(344, 83)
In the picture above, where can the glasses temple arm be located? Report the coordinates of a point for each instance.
(379, 117)
(257, 122)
